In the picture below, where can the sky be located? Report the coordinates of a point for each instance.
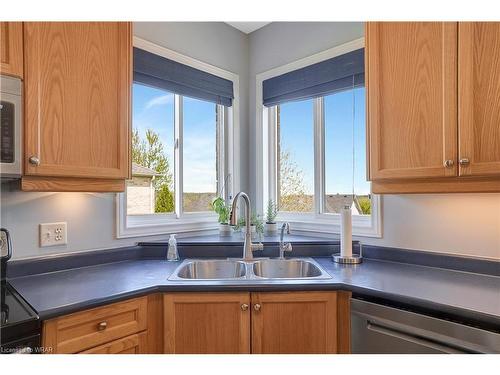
(154, 108)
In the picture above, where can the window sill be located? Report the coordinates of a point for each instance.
(151, 225)
(364, 226)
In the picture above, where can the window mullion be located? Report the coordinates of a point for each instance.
(319, 155)
(178, 155)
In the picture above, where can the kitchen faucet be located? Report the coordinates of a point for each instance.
(284, 246)
(248, 246)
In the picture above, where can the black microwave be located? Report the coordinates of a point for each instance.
(10, 127)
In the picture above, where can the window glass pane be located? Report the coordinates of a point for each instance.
(340, 179)
(295, 156)
(200, 155)
(151, 189)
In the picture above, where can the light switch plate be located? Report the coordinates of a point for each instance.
(52, 234)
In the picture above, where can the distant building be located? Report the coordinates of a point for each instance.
(140, 191)
(335, 202)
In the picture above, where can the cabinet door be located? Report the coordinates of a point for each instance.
(411, 70)
(207, 323)
(77, 99)
(134, 344)
(294, 322)
(479, 98)
(11, 48)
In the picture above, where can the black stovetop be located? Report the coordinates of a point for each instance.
(18, 318)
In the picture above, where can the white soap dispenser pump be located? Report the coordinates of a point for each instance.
(172, 254)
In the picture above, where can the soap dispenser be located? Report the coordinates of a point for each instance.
(172, 254)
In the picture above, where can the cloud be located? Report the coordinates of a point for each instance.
(160, 100)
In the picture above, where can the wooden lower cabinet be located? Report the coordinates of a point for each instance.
(260, 323)
(294, 322)
(133, 344)
(96, 328)
(206, 323)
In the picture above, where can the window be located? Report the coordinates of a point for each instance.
(295, 156)
(181, 151)
(344, 157)
(312, 149)
(345, 152)
(155, 169)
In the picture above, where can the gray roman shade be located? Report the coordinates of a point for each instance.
(157, 71)
(335, 74)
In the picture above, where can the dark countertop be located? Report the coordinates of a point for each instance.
(469, 295)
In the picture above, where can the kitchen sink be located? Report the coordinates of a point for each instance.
(267, 269)
(211, 270)
(287, 269)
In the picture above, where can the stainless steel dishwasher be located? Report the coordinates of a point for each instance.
(377, 328)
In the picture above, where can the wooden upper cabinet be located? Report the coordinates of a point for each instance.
(206, 323)
(479, 98)
(77, 99)
(294, 322)
(11, 48)
(411, 70)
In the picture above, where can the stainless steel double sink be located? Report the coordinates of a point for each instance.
(258, 269)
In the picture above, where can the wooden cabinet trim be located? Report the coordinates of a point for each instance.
(442, 185)
(67, 184)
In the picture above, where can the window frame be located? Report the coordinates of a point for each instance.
(229, 160)
(266, 159)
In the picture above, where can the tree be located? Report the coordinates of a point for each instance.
(293, 195)
(164, 199)
(149, 153)
(365, 205)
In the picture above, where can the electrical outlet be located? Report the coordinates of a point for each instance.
(52, 234)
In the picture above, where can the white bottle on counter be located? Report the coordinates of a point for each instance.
(172, 254)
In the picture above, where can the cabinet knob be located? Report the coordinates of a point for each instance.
(464, 162)
(257, 307)
(449, 163)
(34, 160)
(244, 307)
(102, 326)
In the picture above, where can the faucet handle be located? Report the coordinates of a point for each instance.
(287, 247)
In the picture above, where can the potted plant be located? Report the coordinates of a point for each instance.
(223, 210)
(271, 227)
(256, 226)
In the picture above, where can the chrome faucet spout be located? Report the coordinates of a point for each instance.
(284, 246)
(248, 246)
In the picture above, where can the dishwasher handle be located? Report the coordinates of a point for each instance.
(386, 329)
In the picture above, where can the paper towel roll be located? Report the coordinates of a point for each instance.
(346, 232)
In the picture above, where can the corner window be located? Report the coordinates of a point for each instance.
(313, 145)
(181, 155)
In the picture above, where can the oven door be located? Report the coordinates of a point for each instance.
(10, 128)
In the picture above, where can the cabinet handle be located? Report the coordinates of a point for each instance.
(102, 326)
(34, 160)
(464, 162)
(449, 163)
(244, 307)
(256, 307)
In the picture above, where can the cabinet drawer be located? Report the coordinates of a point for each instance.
(83, 330)
(134, 344)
